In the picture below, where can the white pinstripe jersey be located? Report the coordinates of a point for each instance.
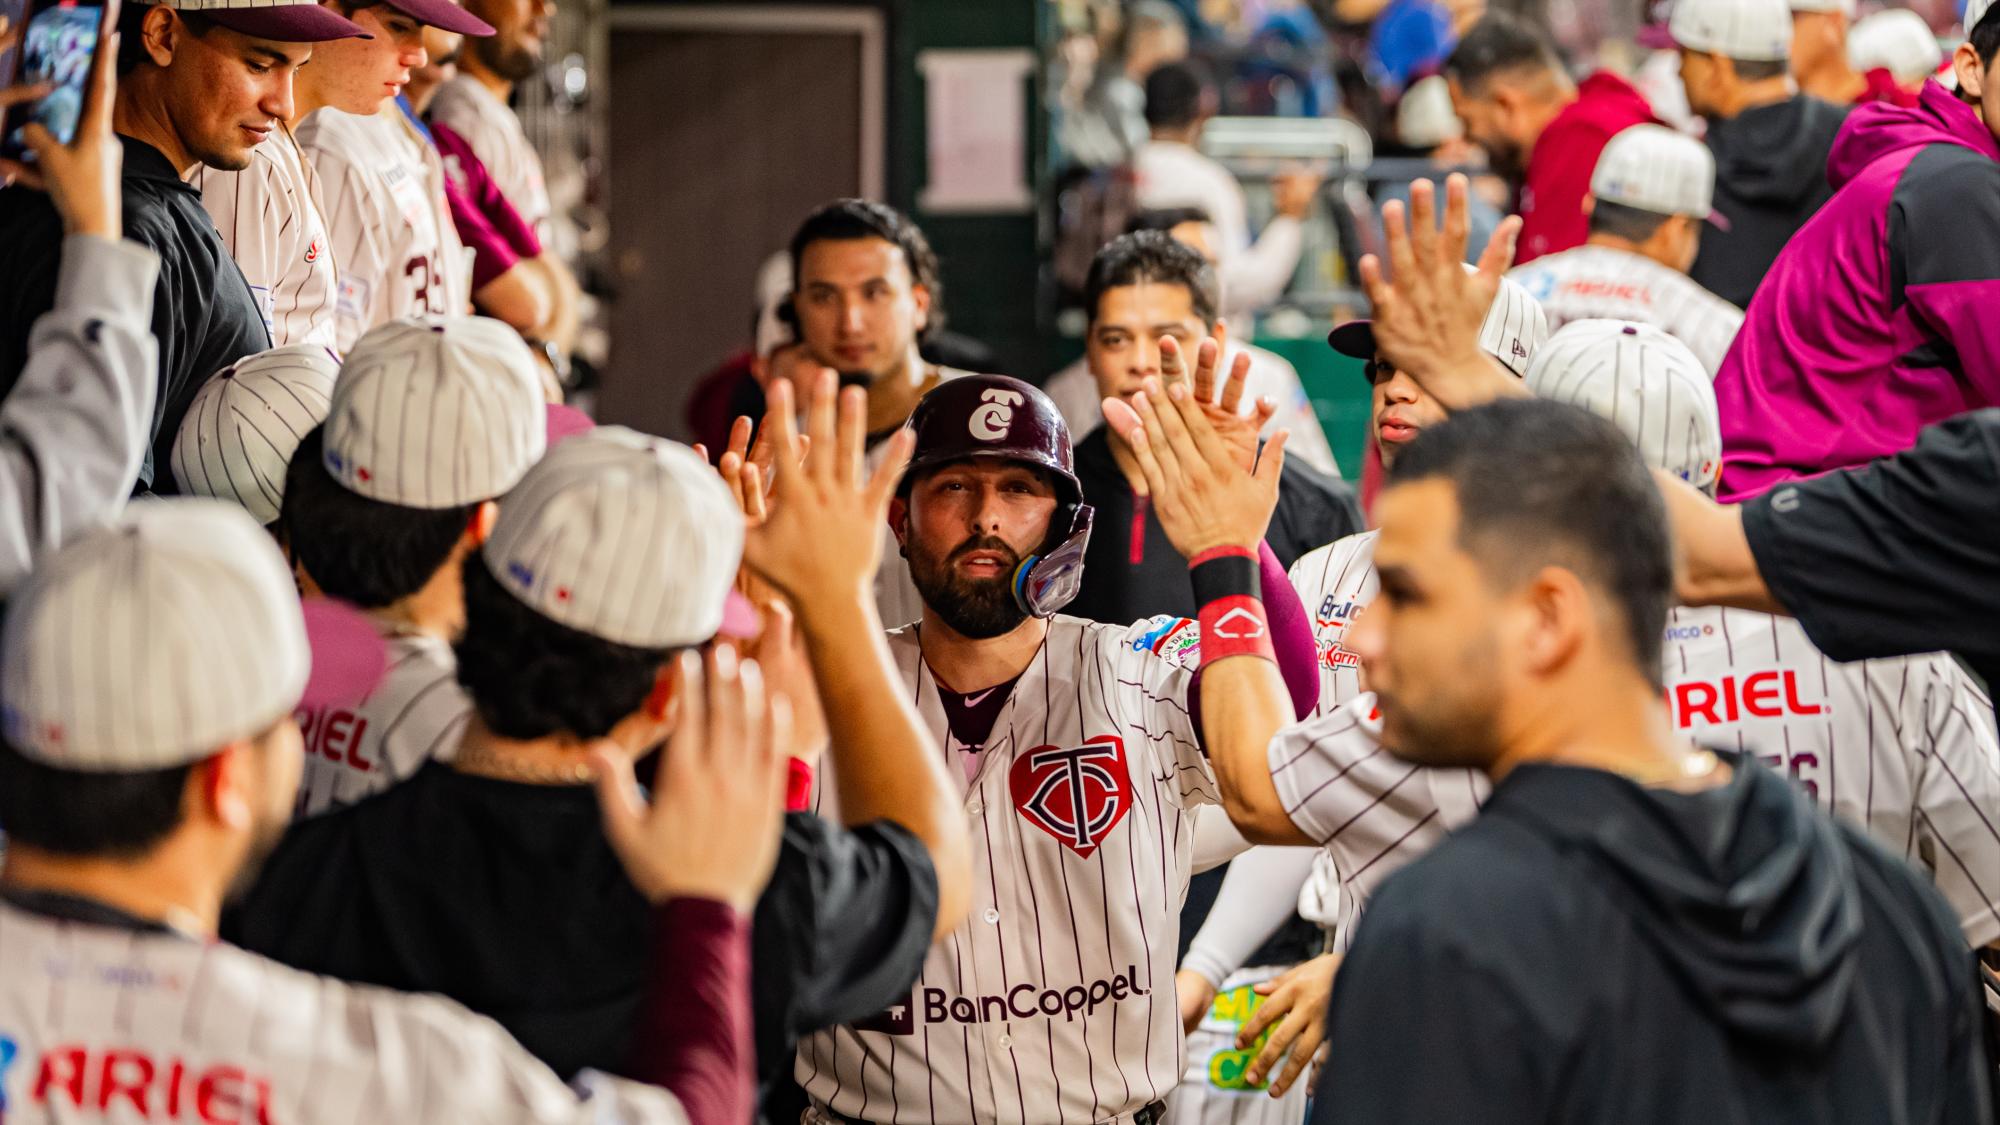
(384, 205)
(102, 1024)
(495, 134)
(268, 215)
(417, 713)
(1902, 748)
(1054, 1001)
(1335, 583)
(1602, 282)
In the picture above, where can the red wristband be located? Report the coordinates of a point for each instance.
(798, 786)
(1235, 626)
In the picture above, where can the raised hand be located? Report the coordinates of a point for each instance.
(1203, 494)
(822, 537)
(1239, 430)
(1294, 1007)
(711, 830)
(1427, 317)
(83, 177)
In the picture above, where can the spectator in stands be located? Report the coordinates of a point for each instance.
(1109, 124)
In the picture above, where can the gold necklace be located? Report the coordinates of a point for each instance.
(483, 761)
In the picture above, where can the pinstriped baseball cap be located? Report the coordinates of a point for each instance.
(1514, 327)
(243, 426)
(1897, 40)
(153, 642)
(1975, 10)
(1647, 383)
(1848, 8)
(1653, 168)
(622, 535)
(283, 21)
(1751, 30)
(436, 413)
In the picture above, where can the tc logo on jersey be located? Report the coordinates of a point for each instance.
(992, 421)
(1078, 796)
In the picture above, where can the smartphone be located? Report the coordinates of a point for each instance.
(58, 46)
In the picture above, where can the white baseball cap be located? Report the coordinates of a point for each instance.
(1974, 11)
(1655, 169)
(243, 426)
(1897, 40)
(622, 535)
(1648, 383)
(1425, 118)
(774, 288)
(1751, 30)
(155, 641)
(436, 413)
(1514, 327)
(1848, 8)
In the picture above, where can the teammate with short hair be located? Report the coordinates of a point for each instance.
(1074, 747)
(151, 670)
(241, 430)
(381, 184)
(432, 421)
(865, 295)
(473, 103)
(1651, 194)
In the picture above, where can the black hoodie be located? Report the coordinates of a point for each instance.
(1770, 177)
(1589, 950)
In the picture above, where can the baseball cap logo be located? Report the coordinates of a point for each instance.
(991, 421)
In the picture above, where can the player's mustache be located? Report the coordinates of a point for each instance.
(984, 543)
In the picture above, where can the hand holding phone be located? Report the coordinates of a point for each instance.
(82, 171)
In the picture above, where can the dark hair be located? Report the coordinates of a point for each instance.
(1985, 35)
(1499, 43)
(86, 813)
(847, 220)
(132, 35)
(1174, 95)
(1545, 483)
(1760, 70)
(530, 677)
(1151, 255)
(359, 550)
(1628, 223)
(1166, 219)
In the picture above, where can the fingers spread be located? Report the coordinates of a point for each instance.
(1239, 378)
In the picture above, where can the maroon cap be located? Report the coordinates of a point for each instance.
(444, 15)
(274, 20)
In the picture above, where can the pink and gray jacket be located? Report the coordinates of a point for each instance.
(1882, 315)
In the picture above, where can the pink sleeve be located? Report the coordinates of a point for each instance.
(701, 963)
(1291, 632)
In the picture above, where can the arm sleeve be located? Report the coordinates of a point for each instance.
(1949, 225)
(1254, 277)
(1291, 639)
(1893, 558)
(1421, 1033)
(701, 963)
(1216, 840)
(1260, 892)
(1957, 816)
(75, 427)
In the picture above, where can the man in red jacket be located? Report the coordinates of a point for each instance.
(1541, 129)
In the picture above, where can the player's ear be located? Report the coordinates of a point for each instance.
(899, 521)
(1589, 205)
(1971, 73)
(921, 296)
(223, 787)
(480, 526)
(1556, 612)
(161, 33)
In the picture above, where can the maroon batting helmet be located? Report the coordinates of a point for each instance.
(993, 416)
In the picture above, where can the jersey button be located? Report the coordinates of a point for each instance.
(974, 807)
(1005, 1041)
(991, 915)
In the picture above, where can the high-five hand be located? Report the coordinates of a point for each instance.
(1203, 494)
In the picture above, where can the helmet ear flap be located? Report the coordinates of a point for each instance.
(1044, 583)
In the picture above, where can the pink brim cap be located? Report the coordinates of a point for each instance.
(740, 619)
(284, 23)
(444, 15)
(348, 656)
(567, 421)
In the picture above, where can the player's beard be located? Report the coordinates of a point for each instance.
(511, 61)
(975, 608)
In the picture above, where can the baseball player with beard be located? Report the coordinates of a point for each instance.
(151, 670)
(1077, 745)
(1903, 748)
